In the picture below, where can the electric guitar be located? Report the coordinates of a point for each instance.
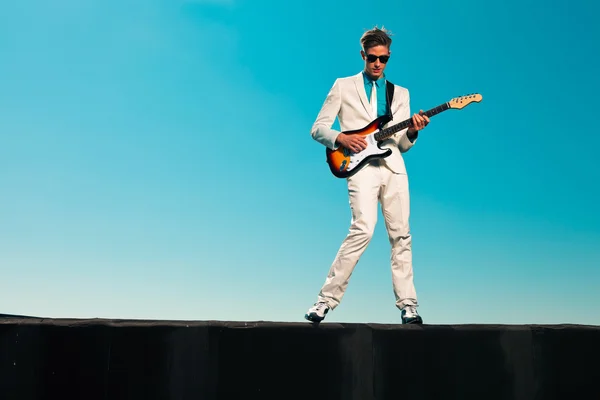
(343, 163)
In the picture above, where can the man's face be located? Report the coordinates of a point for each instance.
(375, 67)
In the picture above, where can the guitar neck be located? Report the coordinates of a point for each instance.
(390, 131)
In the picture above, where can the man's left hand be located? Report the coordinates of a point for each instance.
(420, 121)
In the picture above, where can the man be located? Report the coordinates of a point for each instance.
(356, 101)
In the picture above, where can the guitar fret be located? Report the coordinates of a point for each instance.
(388, 132)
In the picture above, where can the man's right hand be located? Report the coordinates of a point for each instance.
(354, 143)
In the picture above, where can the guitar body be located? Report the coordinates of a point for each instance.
(343, 163)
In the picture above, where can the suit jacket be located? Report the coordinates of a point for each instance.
(347, 100)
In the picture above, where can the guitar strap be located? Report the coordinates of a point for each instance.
(389, 94)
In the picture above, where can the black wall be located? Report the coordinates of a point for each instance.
(100, 359)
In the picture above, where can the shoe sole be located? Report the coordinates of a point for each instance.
(311, 318)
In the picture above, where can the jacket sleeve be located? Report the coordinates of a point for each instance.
(321, 130)
(403, 113)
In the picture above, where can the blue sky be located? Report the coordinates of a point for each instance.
(156, 161)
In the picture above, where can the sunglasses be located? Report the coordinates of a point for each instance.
(372, 58)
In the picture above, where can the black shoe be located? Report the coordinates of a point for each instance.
(410, 315)
(317, 313)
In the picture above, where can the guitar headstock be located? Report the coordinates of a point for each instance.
(463, 101)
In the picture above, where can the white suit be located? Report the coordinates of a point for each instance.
(385, 181)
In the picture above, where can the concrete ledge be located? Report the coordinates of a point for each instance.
(43, 358)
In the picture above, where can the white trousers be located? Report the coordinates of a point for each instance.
(375, 183)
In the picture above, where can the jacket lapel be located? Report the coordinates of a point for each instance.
(360, 89)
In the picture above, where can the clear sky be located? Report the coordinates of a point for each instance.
(156, 159)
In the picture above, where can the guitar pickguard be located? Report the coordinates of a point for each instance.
(371, 151)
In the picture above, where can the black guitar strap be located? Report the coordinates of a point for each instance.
(389, 97)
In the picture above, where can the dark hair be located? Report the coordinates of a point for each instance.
(376, 37)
